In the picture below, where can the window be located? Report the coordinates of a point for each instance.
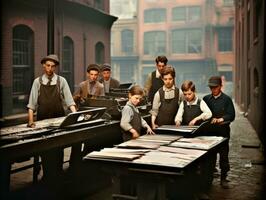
(187, 41)
(23, 73)
(225, 39)
(99, 53)
(127, 72)
(188, 14)
(179, 14)
(228, 2)
(154, 43)
(194, 13)
(99, 4)
(155, 15)
(127, 41)
(68, 62)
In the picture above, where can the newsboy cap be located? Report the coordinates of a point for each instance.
(93, 67)
(106, 66)
(215, 81)
(52, 57)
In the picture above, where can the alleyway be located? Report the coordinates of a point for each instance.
(247, 175)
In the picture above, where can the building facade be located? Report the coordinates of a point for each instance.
(195, 35)
(81, 36)
(250, 62)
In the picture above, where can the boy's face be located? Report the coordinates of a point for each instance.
(189, 95)
(168, 80)
(216, 90)
(106, 75)
(92, 75)
(135, 99)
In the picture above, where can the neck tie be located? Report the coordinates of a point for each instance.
(49, 80)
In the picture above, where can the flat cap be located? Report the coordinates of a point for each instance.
(215, 81)
(52, 57)
(93, 67)
(106, 66)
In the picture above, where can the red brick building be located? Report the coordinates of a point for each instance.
(81, 36)
(250, 62)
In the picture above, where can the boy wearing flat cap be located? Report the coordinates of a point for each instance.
(223, 113)
(107, 80)
(91, 86)
(48, 94)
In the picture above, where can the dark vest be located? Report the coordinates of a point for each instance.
(49, 101)
(156, 84)
(190, 112)
(135, 123)
(167, 109)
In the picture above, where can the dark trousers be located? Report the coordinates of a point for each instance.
(52, 164)
(224, 159)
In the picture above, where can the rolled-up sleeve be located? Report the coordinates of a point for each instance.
(33, 99)
(127, 114)
(67, 93)
(155, 104)
(206, 112)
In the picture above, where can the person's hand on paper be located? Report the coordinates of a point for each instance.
(154, 126)
(135, 134)
(192, 122)
(217, 120)
(177, 123)
(149, 131)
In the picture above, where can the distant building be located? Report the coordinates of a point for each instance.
(250, 62)
(197, 36)
(81, 36)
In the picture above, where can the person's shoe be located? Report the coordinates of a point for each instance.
(203, 196)
(225, 184)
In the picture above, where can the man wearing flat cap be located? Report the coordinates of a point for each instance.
(49, 93)
(107, 80)
(91, 86)
(223, 113)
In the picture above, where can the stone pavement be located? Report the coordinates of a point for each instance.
(247, 175)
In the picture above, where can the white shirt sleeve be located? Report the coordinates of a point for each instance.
(180, 112)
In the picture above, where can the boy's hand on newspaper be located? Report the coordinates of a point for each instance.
(178, 123)
(149, 131)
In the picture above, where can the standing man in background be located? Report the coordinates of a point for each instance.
(91, 86)
(106, 79)
(154, 81)
(48, 94)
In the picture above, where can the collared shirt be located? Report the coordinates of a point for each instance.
(148, 82)
(106, 85)
(206, 112)
(169, 93)
(127, 116)
(64, 89)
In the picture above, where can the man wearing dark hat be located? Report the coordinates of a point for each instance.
(48, 94)
(223, 113)
(91, 86)
(107, 80)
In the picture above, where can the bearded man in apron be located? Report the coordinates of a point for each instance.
(48, 94)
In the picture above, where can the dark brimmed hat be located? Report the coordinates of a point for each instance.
(93, 67)
(106, 66)
(51, 57)
(215, 81)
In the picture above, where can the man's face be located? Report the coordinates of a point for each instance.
(168, 80)
(160, 66)
(92, 75)
(49, 67)
(106, 75)
(189, 95)
(216, 90)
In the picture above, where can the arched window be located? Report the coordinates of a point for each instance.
(67, 69)
(127, 40)
(23, 72)
(99, 53)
